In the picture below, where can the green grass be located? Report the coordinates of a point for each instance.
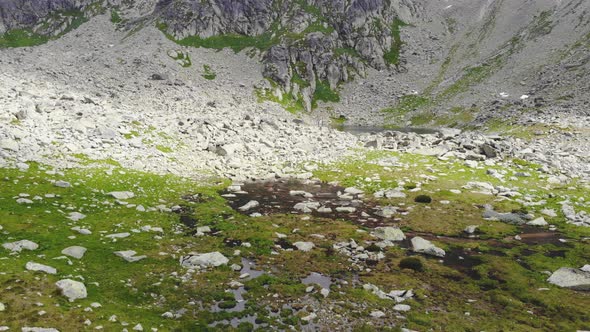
(405, 105)
(208, 73)
(27, 37)
(392, 56)
(324, 93)
(21, 38)
(290, 103)
(115, 17)
(236, 42)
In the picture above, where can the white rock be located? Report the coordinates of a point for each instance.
(470, 229)
(212, 259)
(75, 216)
(304, 246)
(62, 184)
(9, 144)
(138, 327)
(18, 246)
(306, 207)
(118, 235)
(248, 206)
(82, 231)
(129, 255)
(39, 329)
(423, 246)
(577, 279)
(389, 233)
(538, 222)
(377, 314)
(23, 200)
(353, 191)
(549, 213)
(72, 289)
(402, 307)
(122, 194)
(2, 307)
(32, 266)
(345, 209)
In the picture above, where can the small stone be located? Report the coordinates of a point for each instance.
(248, 206)
(304, 246)
(377, 314)
(129, 255)
(75, 216)
(121, 194)
(74, 251)
(471, 229)
(353, 191)
(402, 307)
(538, 222)
(62, 184)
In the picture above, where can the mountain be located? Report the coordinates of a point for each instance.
(438, 56)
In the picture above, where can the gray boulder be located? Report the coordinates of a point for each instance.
(572, 278)
(426, 247)
(72, 289)
(212, 259)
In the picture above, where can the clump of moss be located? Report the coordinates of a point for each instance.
(412, 263)
(423, 199)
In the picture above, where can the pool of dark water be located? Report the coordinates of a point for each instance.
(277, 197)
(360, 130)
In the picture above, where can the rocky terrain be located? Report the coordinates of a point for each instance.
(316, 165)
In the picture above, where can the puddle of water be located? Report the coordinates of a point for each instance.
(360, 130)
(274, 198)
(248, 267)
(315, 278)
(234, 322)
(536, 235)
(463, 261)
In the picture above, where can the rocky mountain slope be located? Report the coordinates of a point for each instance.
(391, 61)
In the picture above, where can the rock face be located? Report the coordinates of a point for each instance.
(19, 14)
(571, 278)
(329, 40)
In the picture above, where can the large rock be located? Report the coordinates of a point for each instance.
(18, 246)
(74, 251)
(426, 247)
(122, 194)
(304, 246)
(211, 259)
(36, 267)
(389, 233)
(129, 255)
(72, 289)
(577, 279)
